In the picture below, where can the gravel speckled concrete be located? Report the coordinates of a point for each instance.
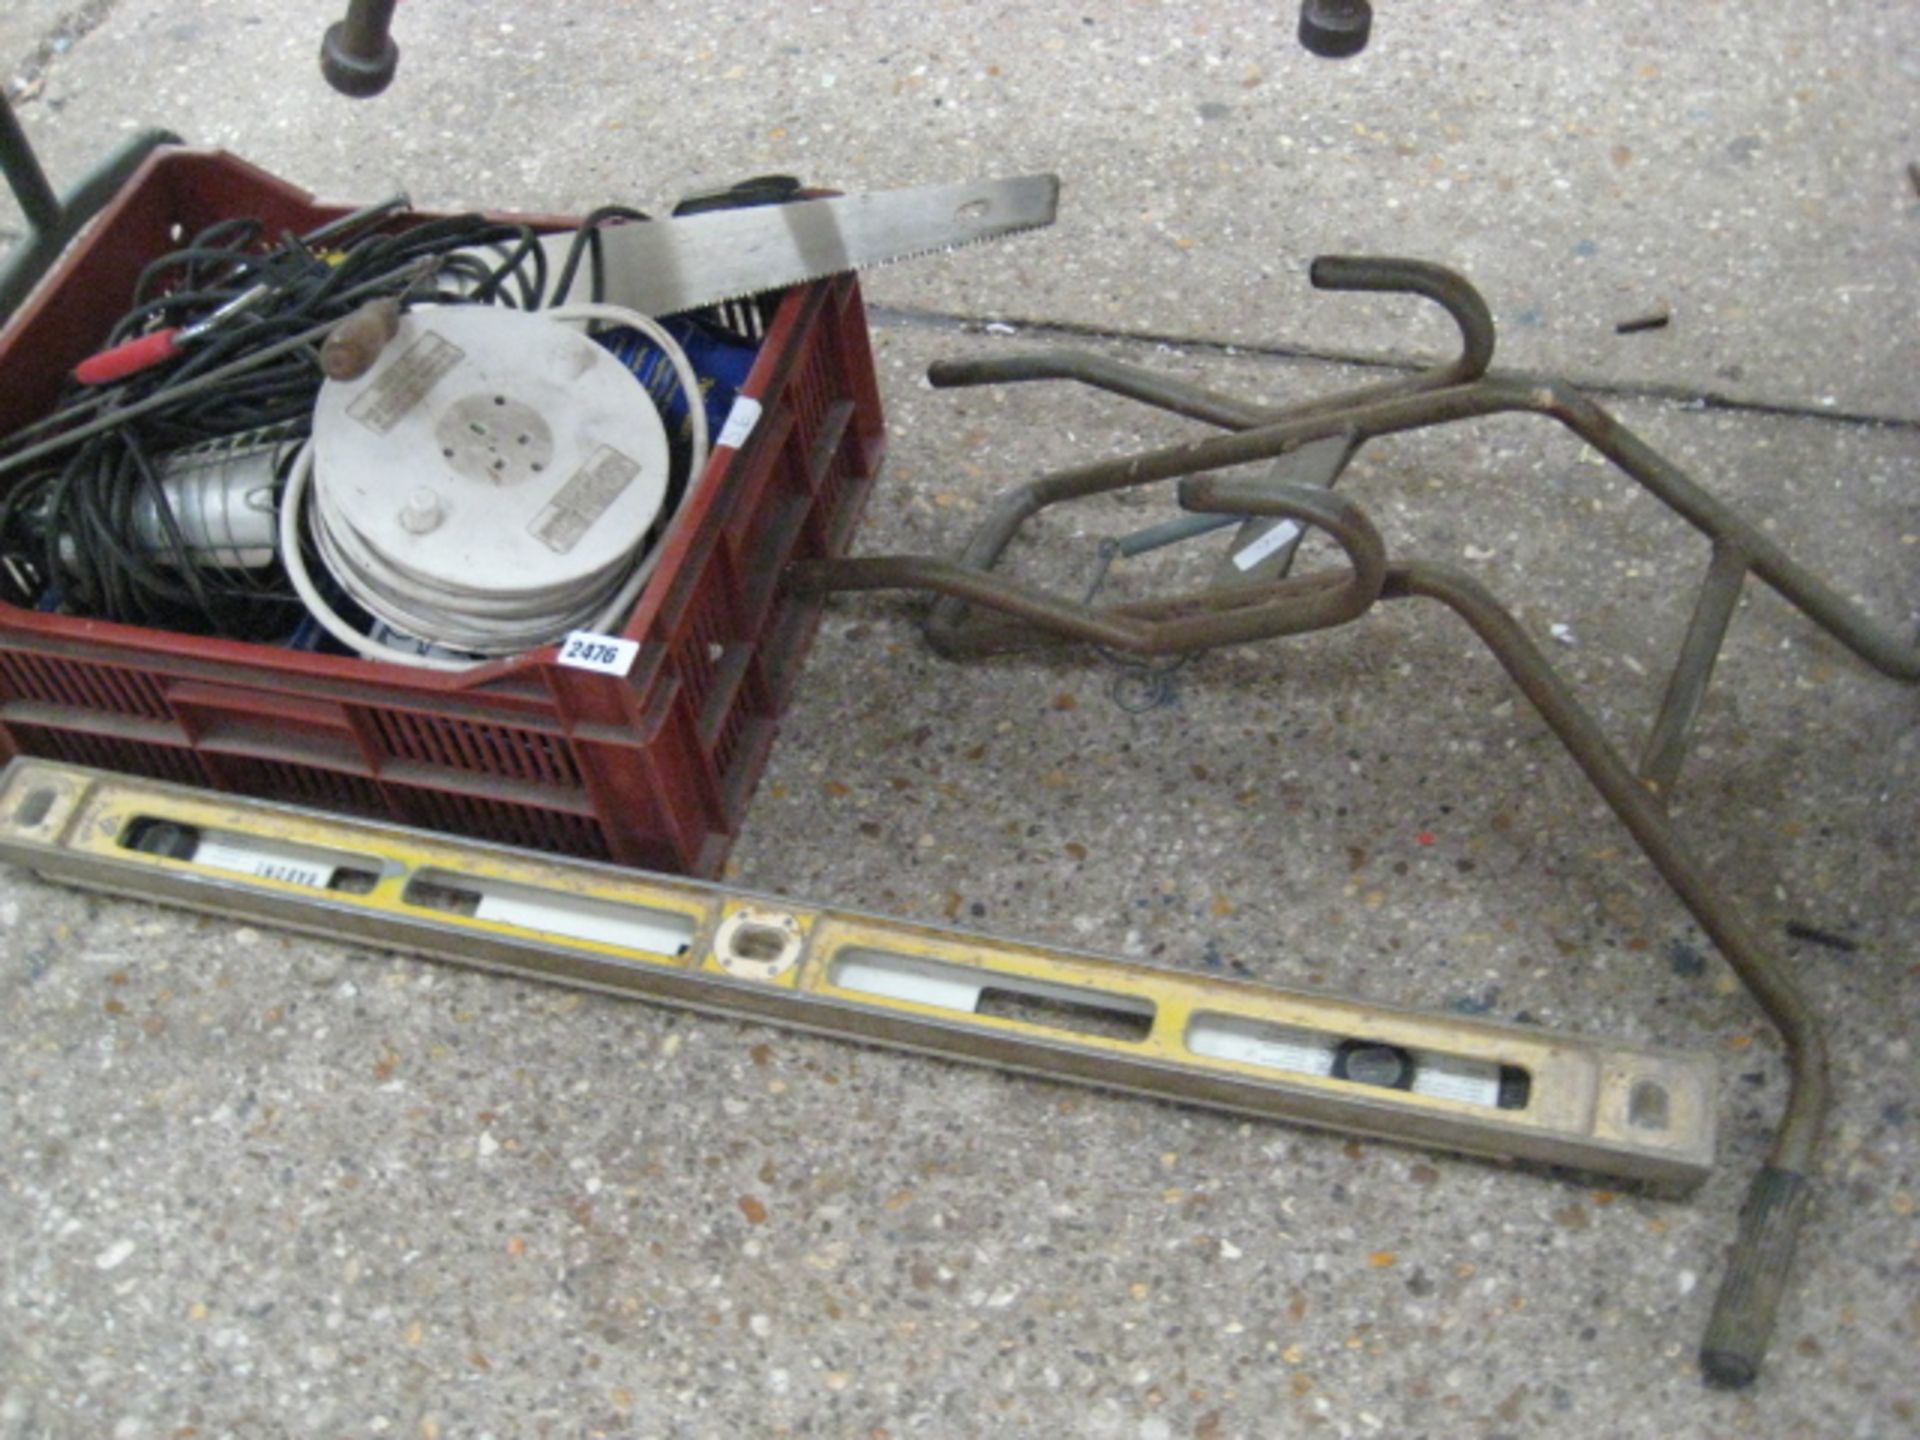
(257, 1185)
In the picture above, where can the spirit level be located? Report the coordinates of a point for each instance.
(1440, 1080)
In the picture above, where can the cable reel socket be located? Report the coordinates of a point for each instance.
(489, 483)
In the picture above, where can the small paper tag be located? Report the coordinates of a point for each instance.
(269, 865)
(741, 419)
(1276, 539)
(608, 654)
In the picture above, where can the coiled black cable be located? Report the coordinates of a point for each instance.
(67, 534)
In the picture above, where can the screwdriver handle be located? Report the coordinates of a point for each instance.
(129, 358)
(353, 345)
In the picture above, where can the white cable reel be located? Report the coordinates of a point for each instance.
(486, 486)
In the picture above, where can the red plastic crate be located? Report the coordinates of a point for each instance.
(651, 770)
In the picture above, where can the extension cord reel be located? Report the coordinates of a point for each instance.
(489, 483)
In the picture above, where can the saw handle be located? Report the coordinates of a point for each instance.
(352, 346)
(743, 195)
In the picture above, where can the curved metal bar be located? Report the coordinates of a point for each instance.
(1449, 289)
(1453, 292)
(1495, 394)
(1757, 1267)
(947, 629)
(1317, 602)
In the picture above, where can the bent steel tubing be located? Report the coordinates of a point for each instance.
(1745, 1307)
(1135, 382)
(946, 628)
(1316, 602)
(1376, 274)
(1493, 395)
(1497, 394)
(1762, 1256)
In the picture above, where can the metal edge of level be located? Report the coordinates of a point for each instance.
(760, 958)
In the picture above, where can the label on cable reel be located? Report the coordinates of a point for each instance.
(405, 383)
(583, 499)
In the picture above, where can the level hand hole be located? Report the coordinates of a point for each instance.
(761, 944)
(35, 807)
(1649, 1107)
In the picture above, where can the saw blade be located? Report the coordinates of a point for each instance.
(665, 267)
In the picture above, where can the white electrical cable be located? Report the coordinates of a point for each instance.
(587, 312)
(300, 484)
(292, 502)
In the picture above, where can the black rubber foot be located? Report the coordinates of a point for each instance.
(1757, 1268)
(1335, 29)
(354, 74)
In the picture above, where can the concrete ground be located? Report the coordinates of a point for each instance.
(257, 1185)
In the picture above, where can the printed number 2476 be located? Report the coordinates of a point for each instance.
(591, 652)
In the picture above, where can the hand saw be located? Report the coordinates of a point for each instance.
(664, 267)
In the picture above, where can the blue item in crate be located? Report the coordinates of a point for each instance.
(721, 362)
